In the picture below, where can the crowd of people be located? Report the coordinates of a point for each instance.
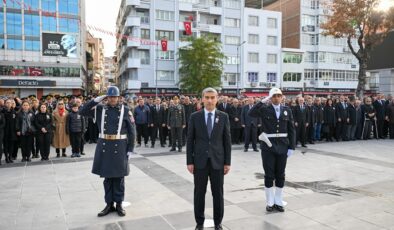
(35, 125)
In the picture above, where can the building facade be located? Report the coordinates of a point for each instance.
(42, 47)
(327, 65)
(95, 47)
(143, 66)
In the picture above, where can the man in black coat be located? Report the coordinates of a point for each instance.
(380, 105)
(310, 130)
(301, 120)
(250, 125)
(156, 121)
(278, 143)
(209, 156)
(342, 115)
(352, 119)
(235, 122)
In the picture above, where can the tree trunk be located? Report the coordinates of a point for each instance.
(362, 78)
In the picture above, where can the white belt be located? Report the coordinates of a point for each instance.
(112, 137)
(277, 135)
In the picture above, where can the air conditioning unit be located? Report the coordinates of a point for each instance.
(253, 84)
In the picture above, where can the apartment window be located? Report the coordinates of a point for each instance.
(231, 60)
(32, 45)
(14, 24)
(253, 39)
(272, 23)
(310, 39)
(68, 7)
(253, 21)
(48, 23)
(165, 15)
(68, 25)
(32, 25)
(48, 5)
(144, 56)
(310, 74)
(161, 34)
(144, 15)
(271, 58)
(292, 58)
(272, 40)
(232, 40)
(325, 75)
(145, 34)
(253, 57)
(232, 22)
(311, 57)
(235, 4)
(165, 75)
(271, 77)
(253, 76)
(292, 77)
(230, 78)
(167, 55)
(14, 44)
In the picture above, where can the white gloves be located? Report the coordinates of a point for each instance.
(290, 152)
(265, 100)
(100, 98)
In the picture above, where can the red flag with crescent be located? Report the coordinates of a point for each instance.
(188, 28)
(163, 44)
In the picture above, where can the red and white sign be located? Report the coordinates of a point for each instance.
(35, 71)
(188, 28)
(164, 44)
(16, 72)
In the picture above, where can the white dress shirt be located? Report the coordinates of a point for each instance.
(277, 110)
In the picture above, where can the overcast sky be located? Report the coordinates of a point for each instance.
(103, 13)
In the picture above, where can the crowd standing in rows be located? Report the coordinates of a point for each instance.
(34, 125)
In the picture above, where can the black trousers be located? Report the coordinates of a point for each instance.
(250, 136)
(162, 135)
(391, 130)
(44, 142)
(114, 190)
(176, 135)
(82, 142)
(235, 135)
(36, 147)
(93, 131)
(301, 133)
(153, 134)
(341, 131)
(1, 147)
(142, 131)
(9, 147)
(184, 135)
(16, 148)
(75, 140)
(274, 169)
(26, 145)
(368, 125)
(216, 178)
(380, 125)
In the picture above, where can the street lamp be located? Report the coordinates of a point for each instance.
(238, 63)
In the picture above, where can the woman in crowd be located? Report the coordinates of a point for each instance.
(60, 138)
(329, 120)
(43, 123)
(25, 130)
(10, 138)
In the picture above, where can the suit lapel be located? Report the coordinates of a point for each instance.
(215, 124)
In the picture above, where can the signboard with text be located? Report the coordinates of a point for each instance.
(64, 45)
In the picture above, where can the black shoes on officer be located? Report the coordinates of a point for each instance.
(269, 208)
(110, 208)
(199, 227)
(274, 207)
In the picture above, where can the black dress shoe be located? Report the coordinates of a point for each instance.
(172, 150)
(256, 150)
(279, 208)
(269, 208)
(245, 150)
(304, 146)
(218, 227)
(109, 208)
(199, 227)
(120, 210)
(179, 150)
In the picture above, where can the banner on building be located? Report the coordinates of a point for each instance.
(64, 45)
(164, 44)
(188, 28)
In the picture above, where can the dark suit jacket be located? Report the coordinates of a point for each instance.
(271, 125)
(248, 120)
(301, 116)
(352, 114)
(380, 109)
(237, 113)
(200, 146)
(157, 117)
(341, 112)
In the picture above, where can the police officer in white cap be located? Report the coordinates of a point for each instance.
(278, 143)
(114, 146)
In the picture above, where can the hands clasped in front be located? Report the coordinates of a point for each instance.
(226, 169)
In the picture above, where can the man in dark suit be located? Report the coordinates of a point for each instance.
(352, 119)
(301, 120)
(250, 125)
(209, 156)
(380, 105)
(225, 106)
(278, 143)
(342, 115)
(235, 122)
(157, 120)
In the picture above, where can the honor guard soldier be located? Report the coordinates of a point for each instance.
(176, 122)
(278, 143)
(114, 146)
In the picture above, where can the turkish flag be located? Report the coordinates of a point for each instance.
(35, 71)
(164, 45)
(17, 72)
(190, 17)
(188, 28)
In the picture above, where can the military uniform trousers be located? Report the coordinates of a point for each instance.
(114, 190)
(176, 135)
(274, 165)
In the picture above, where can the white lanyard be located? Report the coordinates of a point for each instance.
(120, 120)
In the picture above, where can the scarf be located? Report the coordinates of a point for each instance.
(26, 123)
(61, 112)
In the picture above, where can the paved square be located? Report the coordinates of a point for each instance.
(346, 185)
